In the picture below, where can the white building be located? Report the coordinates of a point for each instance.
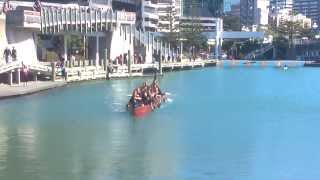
(286, 15)
(149, 15)
(254, 13)
(278, 5)
(168, 16)
(261, 12)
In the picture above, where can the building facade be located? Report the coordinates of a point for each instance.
(254, 13)
(277, 5)
(309, 8)
(235, 10)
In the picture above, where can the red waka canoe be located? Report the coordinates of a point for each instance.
(141, 111)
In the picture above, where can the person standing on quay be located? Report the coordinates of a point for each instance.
(7, 54)
(14, 54)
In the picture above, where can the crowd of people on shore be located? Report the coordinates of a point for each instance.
(10, 55)
(146, 95)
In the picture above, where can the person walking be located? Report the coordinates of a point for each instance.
(7, 54)
(14, 54)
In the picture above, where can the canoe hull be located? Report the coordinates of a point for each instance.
(141, 111)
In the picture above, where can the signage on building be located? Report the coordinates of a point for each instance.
(31, 19)
(126, 17)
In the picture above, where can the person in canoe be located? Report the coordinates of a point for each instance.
(146, 95)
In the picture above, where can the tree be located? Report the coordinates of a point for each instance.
(231, 23)
(285, 32)
(192, 32)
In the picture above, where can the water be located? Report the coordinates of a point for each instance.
(220, 123)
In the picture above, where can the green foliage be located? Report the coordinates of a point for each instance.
(281, 45)
(75, 42)
(231, 23)
(285, 33)
(193, 36)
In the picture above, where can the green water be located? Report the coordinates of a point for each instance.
(220, 123)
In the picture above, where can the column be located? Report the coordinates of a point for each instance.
(169, 51)
(53, 71)
(129, 63)
(97, 51)
(105, 63)
(10, 78)
(65, 43)
(160, 60)
(181, 49)
(35, 76)
(18, 77)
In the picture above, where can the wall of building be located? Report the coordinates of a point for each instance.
(3, 37)
(119, 41)
(24, 42)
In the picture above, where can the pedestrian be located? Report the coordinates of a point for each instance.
(7, 54)
(14, 54)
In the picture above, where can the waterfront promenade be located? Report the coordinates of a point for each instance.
(88, 71)
(7, 91)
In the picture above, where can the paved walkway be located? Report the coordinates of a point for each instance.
(7, 91)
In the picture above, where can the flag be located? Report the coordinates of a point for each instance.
(37, 5)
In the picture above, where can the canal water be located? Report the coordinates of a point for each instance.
(220, 123)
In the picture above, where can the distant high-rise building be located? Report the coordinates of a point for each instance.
(277, 5)
(205, 8)
(254, 12)
(235, 10)
(309, 8)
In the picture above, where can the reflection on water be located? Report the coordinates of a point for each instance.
(232, 123)
(3, 147)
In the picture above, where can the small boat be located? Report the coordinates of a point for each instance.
(142, 110)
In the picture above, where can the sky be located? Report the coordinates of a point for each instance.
(228, 3)
(234, 1)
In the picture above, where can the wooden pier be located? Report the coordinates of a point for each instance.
(137, 70)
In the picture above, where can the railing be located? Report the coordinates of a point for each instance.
(66, 19)
(16, 65)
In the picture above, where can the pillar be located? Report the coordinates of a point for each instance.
(35, 76)
(97, 51)
(84, 47)
(181, 49)
(10, 78)
(53, 71)
(160, 60)
(105, 63)
(65, 43)
(129, 63)
(18, 77)
(169, 51)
